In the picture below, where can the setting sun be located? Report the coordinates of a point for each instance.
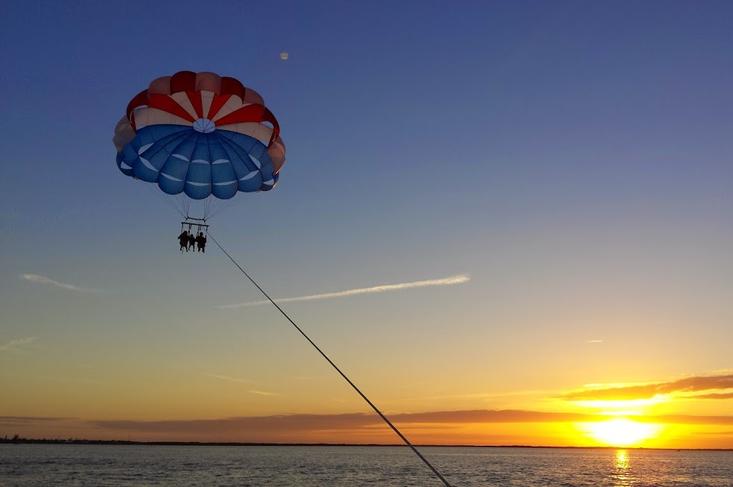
(620, 432)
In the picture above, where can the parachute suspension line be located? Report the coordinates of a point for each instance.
(185, 204)
(219, 207)
(323, 354)
(207, 206)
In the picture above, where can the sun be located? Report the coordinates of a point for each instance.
(620, 432)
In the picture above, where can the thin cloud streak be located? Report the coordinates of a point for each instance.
(697, 387)
(382, 288)
(17, 344)
(719, 395)
(26, 420)
(39, 279)
(238, 380)
(263, 393)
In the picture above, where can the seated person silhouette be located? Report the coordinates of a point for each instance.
(191, 241)
(201, 242)
(183, 240)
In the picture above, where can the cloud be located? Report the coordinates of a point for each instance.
(382, 288)
(355, 421)
(256, 392)
(39, 279)
(688, 387)
(263, 393)
(594, 341)
(26, 420)
(685, 419)
(715, 395)
(16, 344)
(310, 422)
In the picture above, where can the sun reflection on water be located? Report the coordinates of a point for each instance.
(622, 475)
(622, 460)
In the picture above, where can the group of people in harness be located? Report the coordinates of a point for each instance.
(190, 242)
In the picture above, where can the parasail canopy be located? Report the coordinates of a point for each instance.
(200, 134)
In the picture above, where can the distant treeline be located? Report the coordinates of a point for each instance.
(81, 441)
(78, 441)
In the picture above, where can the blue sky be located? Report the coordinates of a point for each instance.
(573, 158)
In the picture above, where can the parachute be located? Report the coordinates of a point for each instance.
(200, 135)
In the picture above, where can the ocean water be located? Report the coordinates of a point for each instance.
(105, 465)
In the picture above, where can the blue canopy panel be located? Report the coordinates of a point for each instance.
(181, 159)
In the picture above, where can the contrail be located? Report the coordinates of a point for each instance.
(39, 279)
(382, 288)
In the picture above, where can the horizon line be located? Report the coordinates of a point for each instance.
(71, 441)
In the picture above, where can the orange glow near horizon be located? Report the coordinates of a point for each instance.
(169, 412)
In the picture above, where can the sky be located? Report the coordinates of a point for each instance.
(508, 222)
